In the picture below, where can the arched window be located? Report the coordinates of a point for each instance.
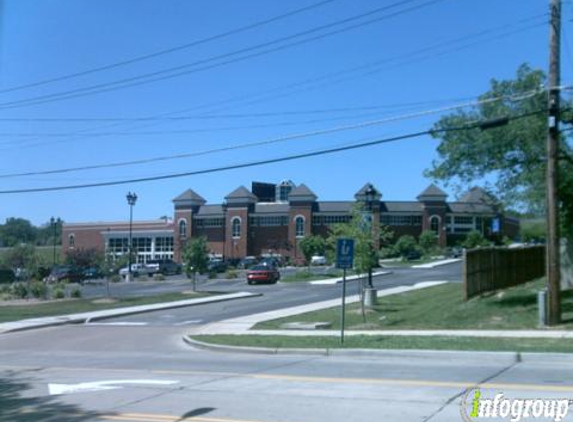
(182, 228)
(435, 224)
(299, 226)
(236, 227)
(72, 240)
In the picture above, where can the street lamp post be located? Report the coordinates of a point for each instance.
(53, 223)
(131, 199)
(370, 291)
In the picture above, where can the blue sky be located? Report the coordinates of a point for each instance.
(255, 99)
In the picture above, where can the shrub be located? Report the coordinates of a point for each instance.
(76, 292)
(19, 290)
(59, 293)
(212, 274)
(39, 290)
(116, 278)
(158, 277)
(475, 239)
(406, 245)
(232, 274)
(428, 241)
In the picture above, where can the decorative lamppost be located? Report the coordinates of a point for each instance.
(131, 199)
(53, 224)
(369, 197)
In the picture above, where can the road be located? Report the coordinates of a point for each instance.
(143, 372)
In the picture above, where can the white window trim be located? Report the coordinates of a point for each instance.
(71, 240)
(298, 236)
(235, 218)
(179, 226)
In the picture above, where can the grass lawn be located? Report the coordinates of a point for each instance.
(10, 312)
(442, 307)
(388, 342)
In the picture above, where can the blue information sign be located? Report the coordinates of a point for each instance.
(495, 225)
(344, 253)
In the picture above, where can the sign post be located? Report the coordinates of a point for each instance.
(344, 260)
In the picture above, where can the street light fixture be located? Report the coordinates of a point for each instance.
(53, 224)
(131, 199)
(369, 198)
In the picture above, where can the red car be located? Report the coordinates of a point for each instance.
(263, 273)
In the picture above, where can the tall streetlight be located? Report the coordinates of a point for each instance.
(53, 224)
(131, 199)
(369, 197)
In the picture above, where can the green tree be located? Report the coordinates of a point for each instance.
(312, 245)
(16, 231)
(406, 245)
(475, 239)
(428, 241)
(533, 231)
(23, 257)
(196, 258)
(84, 258)
(514, 154)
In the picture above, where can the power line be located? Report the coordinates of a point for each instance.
(169, 50)
(360, 125)
(161, 74)
(260, 162)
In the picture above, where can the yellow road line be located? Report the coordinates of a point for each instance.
(340, 380)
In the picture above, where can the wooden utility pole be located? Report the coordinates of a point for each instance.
(552, 264)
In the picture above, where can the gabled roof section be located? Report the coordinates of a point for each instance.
(189, 197)
(302, 193)
(241, 195)
(432, 194)
(477, 195)
(361, 194)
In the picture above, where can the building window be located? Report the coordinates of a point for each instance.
(299, 226)
(400, 220)
(209, 223)
(183, 228)
(435, 224)
(72, 240)
(236, 226)
(269, 221)
(328, 220)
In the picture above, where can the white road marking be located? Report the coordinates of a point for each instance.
(191, 321)
(57, 389)
(126, 323)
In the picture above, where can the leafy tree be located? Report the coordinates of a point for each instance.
(196, 258)
(312, 245)
(84, 258)
(514, 154)
(428, 241)
(16, 231)
(406, 245)
(533, 231)
(475, 239)
(45, 233)
(23, 257)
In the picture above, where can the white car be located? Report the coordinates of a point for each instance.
(136, 269)
(318, 260)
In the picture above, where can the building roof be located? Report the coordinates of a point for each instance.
(271, 208)
(477, 195)
(190, 195)
(241, 196)
(208, 210)
(470, 208)
(361, 194)
(401, 206)
(302, 193)
(335, 206)
(432, 193)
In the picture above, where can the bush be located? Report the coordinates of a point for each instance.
(19, 290)
(116, 278)
(406, 245)
(232, 274)
(428, 242)
(212, 274)
(39, 290)
(76, 292)
(59, 294)
(158, 277)
(475, 239)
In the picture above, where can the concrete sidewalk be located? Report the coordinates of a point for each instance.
(330, 281)
(28, 324)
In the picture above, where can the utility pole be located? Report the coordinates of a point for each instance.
(552, 261)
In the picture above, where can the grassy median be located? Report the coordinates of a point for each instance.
(442, 307)
(13, 312)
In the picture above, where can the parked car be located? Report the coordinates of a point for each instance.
(163, 266)
(7, 275)
(247, 262)
(65, 272)
(318, 260)
(92, 273)
(217, 266)
(263, 273)
(136, 270)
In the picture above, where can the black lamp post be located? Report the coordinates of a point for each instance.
(131, 199)
(53, 223)
(369, 197)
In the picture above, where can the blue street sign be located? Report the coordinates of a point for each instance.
(345, 253)
(495, 225)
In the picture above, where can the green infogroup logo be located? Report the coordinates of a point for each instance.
(474, 407)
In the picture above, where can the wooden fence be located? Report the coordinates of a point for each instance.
(490, 269)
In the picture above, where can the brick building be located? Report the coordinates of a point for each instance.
(271, 219)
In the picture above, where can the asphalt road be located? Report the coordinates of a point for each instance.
(274, 296)
(145, 373)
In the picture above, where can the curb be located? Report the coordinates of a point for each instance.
(401, 354)
(86, 317)
(333, 281)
